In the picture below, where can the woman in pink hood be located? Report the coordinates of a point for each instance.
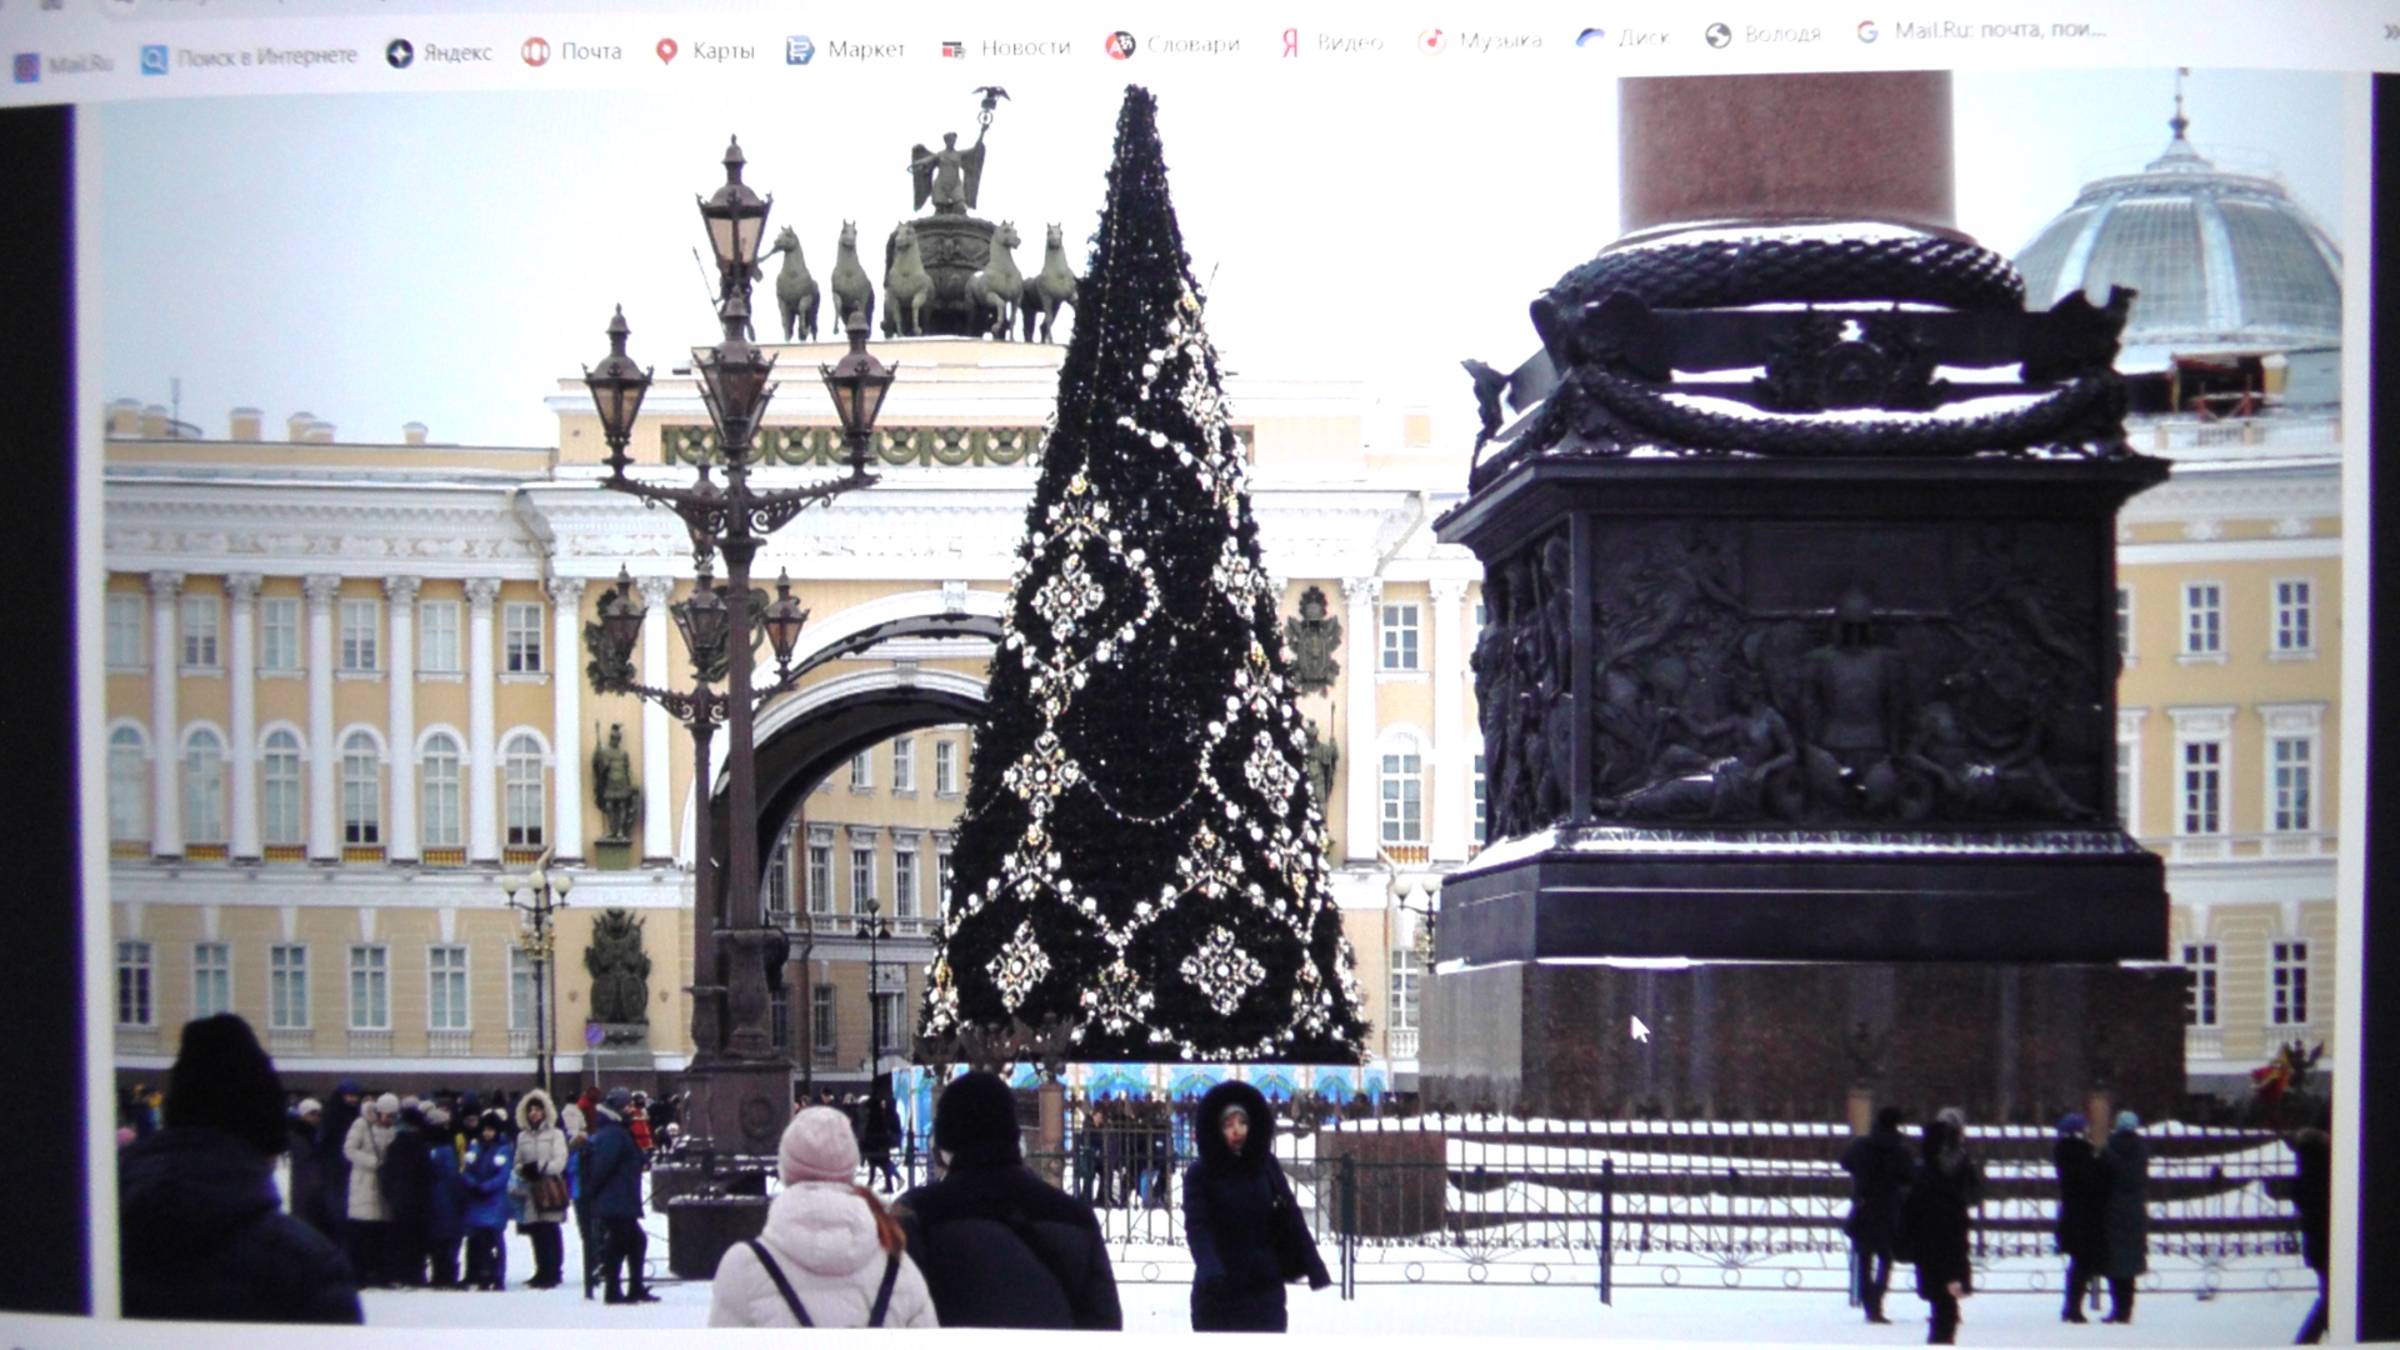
(831, 1255)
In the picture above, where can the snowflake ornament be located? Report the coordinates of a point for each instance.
(1222, 971)
(1020, 966)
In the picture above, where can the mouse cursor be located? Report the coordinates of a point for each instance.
(1641, 1032)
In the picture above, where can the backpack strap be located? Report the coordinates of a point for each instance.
(782, 1285)
(883, 1295)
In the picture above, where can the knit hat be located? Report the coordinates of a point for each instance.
(495, 1118)
(436, 1117)
(617, 1100)
(976, 1120)
(2073, 1123)
(2127, 1120)
(818, 1146)
(387, 1105)
(310, 1106)
(222, 1080)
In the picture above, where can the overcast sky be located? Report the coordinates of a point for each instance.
(377, 259)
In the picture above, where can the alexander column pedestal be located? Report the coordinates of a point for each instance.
(1798, 691)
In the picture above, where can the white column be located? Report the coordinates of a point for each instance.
(166, 742)
(566, 704)
(1363, 826)
(324, 784)
(242, 676)
(483, 768)
(402, 593)
(1453, 747)
(658, 756)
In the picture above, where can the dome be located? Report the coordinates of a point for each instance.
(2223, 262)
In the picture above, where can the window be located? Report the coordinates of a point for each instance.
(128, 787)
(862, 879)
(945, 768)
(279, 788)
(2200, 996)
(2125, 622)
(521, 1000)
(446, 1009)
(2295, 760)
(203, 787)
(279, 634)
(1399, 637)
(521, 791)
(941, 880)
(438, 792)
(820, 878)
(2203, 787)
(1481, 826)
(887, 1022)
(133, 984)
(1403, 795)
(2289, 976)
(2127, 766)
(778, 890)
(904, 883)
(125, 615)
(437, 637)
(370, 989)
(2203, 619)
(779, 1017)
(2295, 618)
(1408, 968)
(212, 979)
(200, 632)
(521, 638)
(862, 769)
(820, 1020)
(904, 764)
(362, 790)
(358, 635)
(287, 987)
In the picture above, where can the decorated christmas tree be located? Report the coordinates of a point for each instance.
(1141, 859)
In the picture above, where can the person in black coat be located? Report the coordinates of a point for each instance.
(1878, 1164)
(879, 1134)
(2312, 1195)
(2125, 1256)
(407, 1180)
(1240, 1218)
(998, 1246)
(1934, 1225)
(201, 1235)
(2082, 1199)
(613, 1179)
(304, 1194)
(333, 1166)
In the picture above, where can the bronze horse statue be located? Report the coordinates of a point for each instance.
(795, 289)
(906, 286)
(852, 292)
(1049, 288)
(996, 290)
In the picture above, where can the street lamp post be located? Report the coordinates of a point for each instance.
(872, 927)
(721, 624)
(544, 893)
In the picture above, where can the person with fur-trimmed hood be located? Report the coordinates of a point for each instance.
(830, 1255)
(1239, 1217)
(541, 1152)
(366, 1147)
(200, 1233)
(999, 1246)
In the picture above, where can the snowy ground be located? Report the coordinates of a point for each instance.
(1393, 1310)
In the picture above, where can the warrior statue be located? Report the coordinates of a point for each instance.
(613, 789)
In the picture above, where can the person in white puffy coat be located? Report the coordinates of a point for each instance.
(368, 1236)
(832, 1241)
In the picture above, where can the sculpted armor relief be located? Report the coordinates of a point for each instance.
(1732, 684)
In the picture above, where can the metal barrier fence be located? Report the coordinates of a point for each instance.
(1656, 1204)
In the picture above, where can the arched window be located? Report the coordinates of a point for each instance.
(521, 790)
(1403, 791)
(128, 787)
(203, 787)
(438, 774)
(279, 789)
(362, 790)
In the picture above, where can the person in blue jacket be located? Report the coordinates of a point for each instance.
(446, 1201)
(613, 1178)
(1240, 1218)
(491, 1161)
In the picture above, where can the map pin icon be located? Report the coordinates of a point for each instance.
(666, 49)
